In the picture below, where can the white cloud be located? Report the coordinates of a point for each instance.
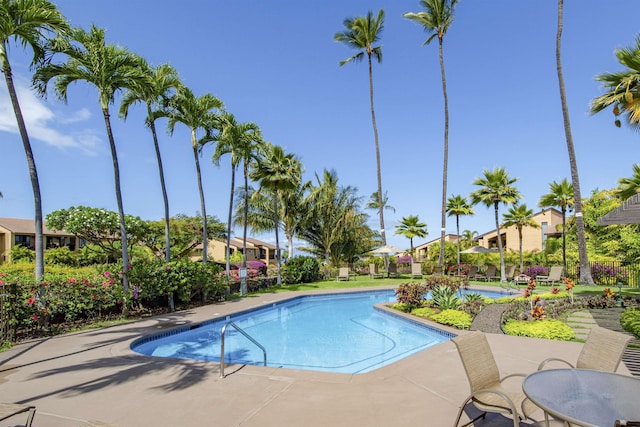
(44, 124)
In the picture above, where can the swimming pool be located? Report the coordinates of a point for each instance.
(332, 333)
(342, 333)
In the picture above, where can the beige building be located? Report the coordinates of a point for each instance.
(257, 250)
(422, 251)
(533, 239)
(16, 231)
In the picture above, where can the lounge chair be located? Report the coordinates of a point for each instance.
(416, 270)
(490, 274)
(509, 272)
(97, 424)
(393, 270)
(437, 270)
(473, 272)
(373, 272)
(555, 276)
(602, 351)
(8, 410)
(487, 392)
(343, 274)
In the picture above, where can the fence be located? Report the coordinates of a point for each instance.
(609, 273)
(7, 312)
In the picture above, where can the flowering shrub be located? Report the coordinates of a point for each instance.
(411, 294)
(536, 270)
(404, 259)
(538, 312)
(601, 273)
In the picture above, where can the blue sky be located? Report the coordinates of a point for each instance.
(275, 64)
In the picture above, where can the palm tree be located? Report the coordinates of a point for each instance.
(622, 87)
(154, 91)
(630, 186)
(458, 205)
(411, 227)
(109, 68)
(374, 202)
(467, 237)
(28, 22)
(436, 18)
(198, 114)
(520, 217)
(333, 211)
(361, 34)
(496, 187)
(278, 172)
(585, 268)
(233, 139)
(561, 195)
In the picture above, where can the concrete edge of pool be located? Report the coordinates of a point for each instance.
(94, 375)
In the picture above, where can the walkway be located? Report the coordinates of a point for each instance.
(94, 375)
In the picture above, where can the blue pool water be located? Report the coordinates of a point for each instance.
(334, 333)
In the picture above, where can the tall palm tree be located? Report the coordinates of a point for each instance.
(629, 186)
(411, 227)
(109, 68)
(28, 22)
(362, 33)
(585, 268)
(374, 202)
(467, 237)
(277, 171)
(198, 114)
(496, 187)
(456, 206)
(154, 91)
(561, 195)
(622, 87)
(233, 138)
(520, 217)
(436, 18)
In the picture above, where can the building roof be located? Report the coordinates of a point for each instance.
(627, 213)
(447, 237)
(258, 243)
(27, 226)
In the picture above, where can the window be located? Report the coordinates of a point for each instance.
(23, 240)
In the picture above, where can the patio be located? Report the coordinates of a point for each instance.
(93, 375)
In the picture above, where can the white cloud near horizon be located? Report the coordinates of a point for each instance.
(43, 123)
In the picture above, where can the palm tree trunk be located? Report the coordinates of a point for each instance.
(163, 186)
(520, 245)
(165, 200)
(123, 228)
(228, 251)
(458, 239)
(445, 161)
(33, 173)
(564, 239)
(585, 269)
(378, 168)
(205, 240)
(275, 219)
(243, 280)
(502, 276)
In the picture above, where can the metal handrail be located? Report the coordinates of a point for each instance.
(249, 337)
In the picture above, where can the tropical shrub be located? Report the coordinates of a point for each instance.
(630, 321)
(423, 312)
(20, 253)
(536, 270)
(301, 269)
(456, 318)
(549, 329)
(62, 256)
(411, 294)
(444, 297)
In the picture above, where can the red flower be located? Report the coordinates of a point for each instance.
(35, 317)
(31, 300)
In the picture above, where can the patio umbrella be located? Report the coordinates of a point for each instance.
(386, 250)
(477, 250)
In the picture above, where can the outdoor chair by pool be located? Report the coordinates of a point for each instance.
(509, 272)
(373, 272)
(487, 392)
(555, 276)
(416, 270)
(393, 270)
(490, 274)
(473, 272)
(8, 410)
(437, 271)
(602, 351)
(343, 274)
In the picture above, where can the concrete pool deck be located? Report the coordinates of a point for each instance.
(93, 375)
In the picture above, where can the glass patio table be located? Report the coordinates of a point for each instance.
(584, 397)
